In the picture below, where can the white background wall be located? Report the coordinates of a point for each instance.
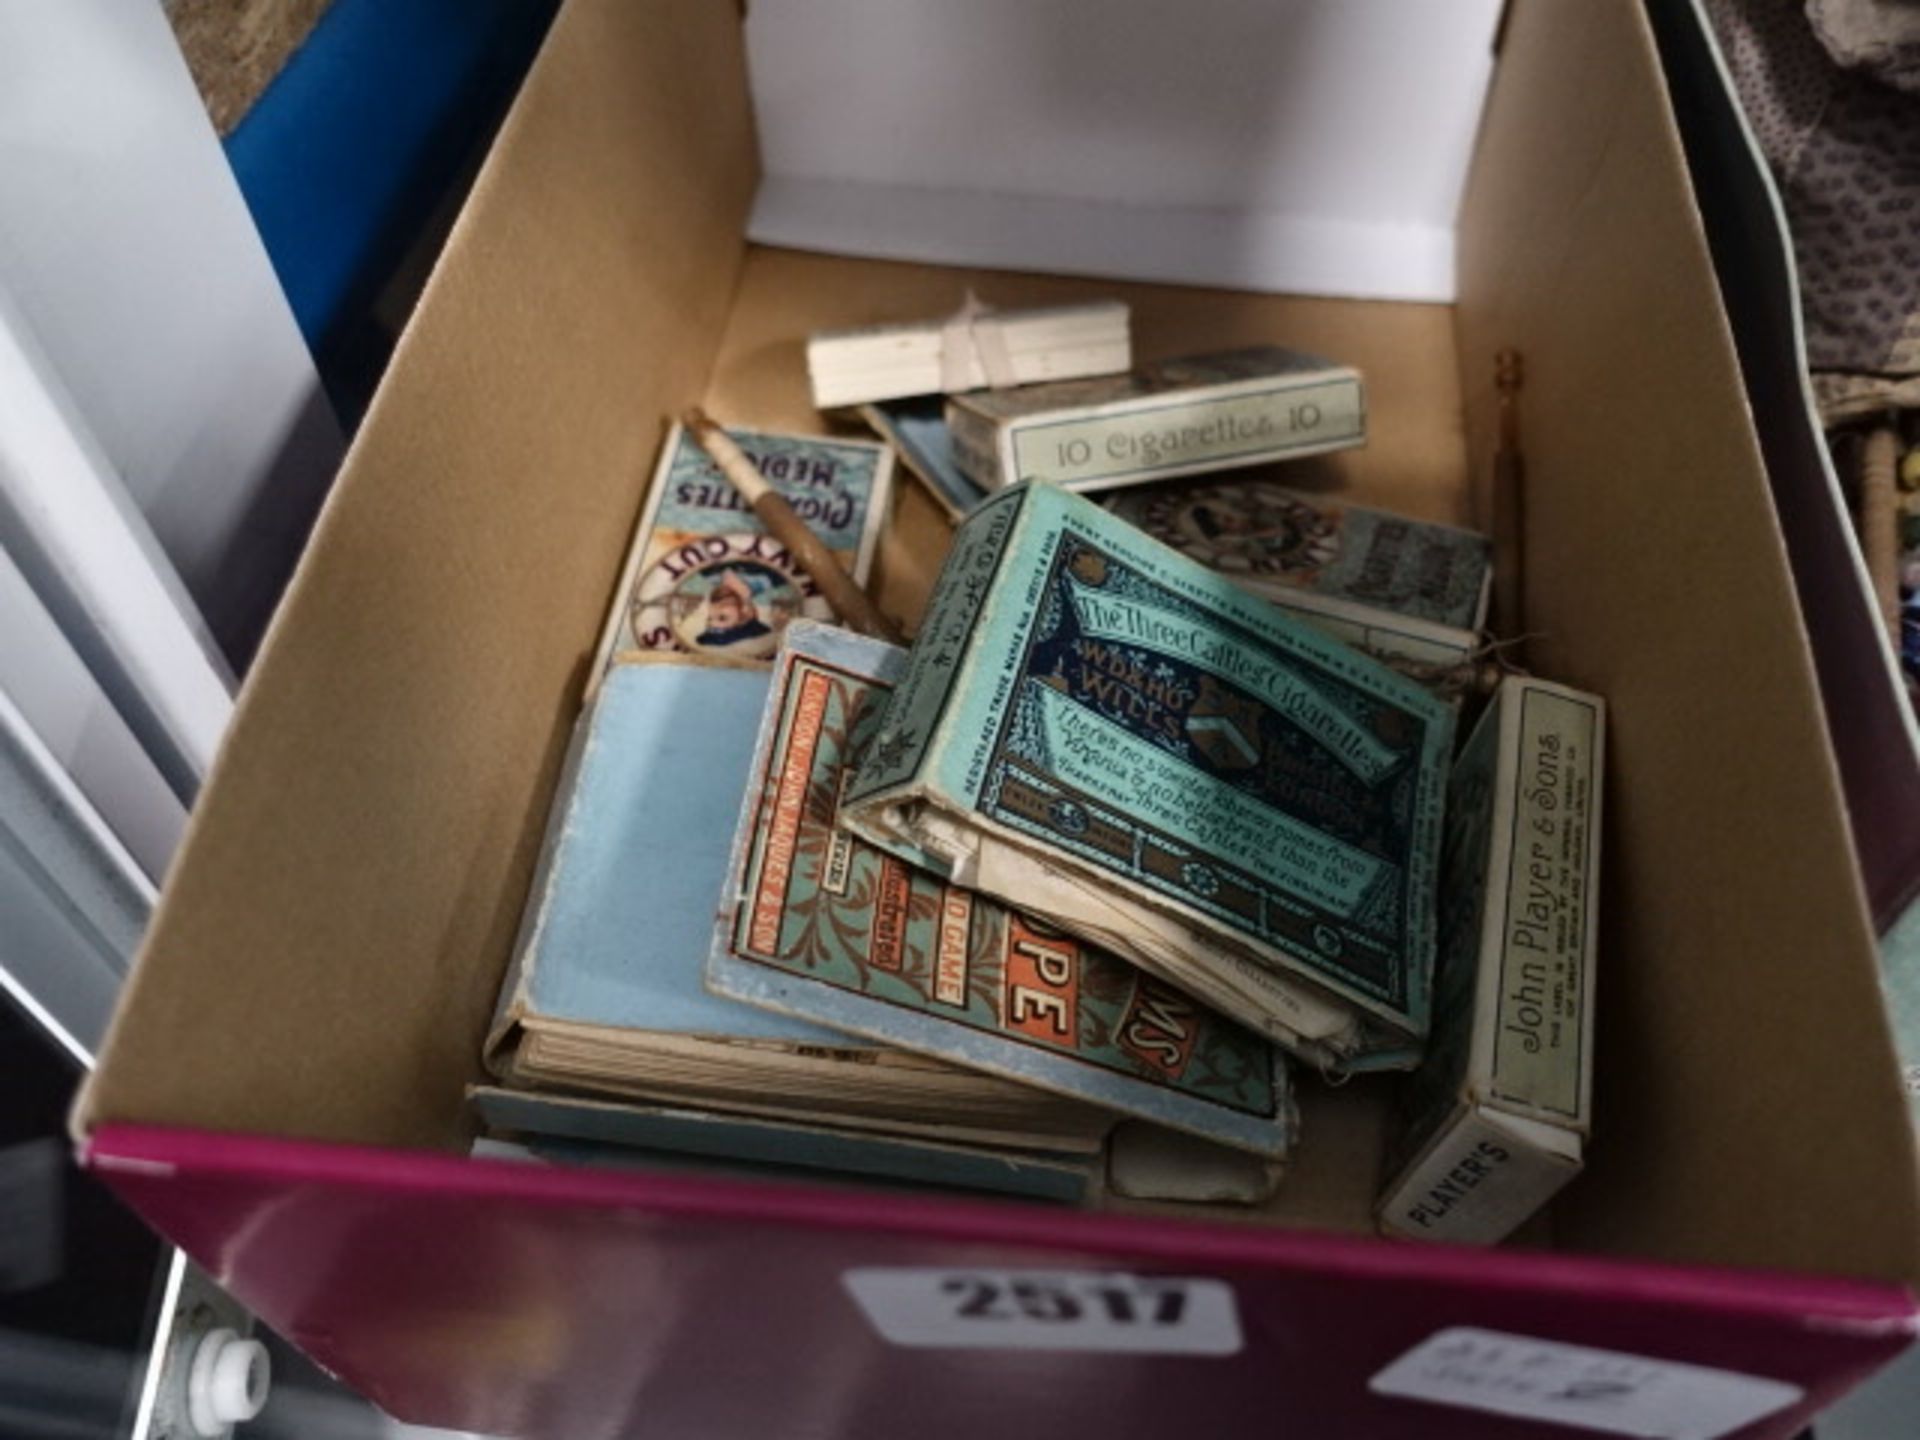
(126, 247)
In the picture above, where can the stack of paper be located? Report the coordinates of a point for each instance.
(971, 350)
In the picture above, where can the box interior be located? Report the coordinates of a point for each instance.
(328, 948)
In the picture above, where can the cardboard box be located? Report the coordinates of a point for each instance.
(282, 1090)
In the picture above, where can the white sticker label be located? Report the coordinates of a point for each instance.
(1048, 1310)
(1575, 1385)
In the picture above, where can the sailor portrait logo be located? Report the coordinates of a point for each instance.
(722, 594)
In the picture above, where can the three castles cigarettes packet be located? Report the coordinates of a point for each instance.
(1177, 417)
(1083, 701)
(1497, 1116)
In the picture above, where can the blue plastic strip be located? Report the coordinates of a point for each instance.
(349, 150)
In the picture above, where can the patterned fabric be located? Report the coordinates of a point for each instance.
(1832, 89)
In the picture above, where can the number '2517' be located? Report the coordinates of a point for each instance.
(1048, 1300)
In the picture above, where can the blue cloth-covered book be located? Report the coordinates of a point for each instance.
(605, 991)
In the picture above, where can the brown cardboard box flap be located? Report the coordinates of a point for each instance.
(1740, 1031)
(328, 945)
